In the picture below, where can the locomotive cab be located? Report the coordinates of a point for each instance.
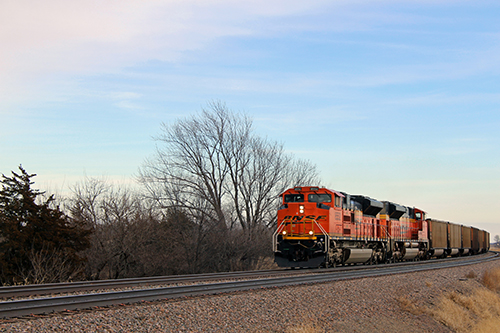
(301, 239)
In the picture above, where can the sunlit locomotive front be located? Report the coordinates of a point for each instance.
(322, 227)
(302, 237)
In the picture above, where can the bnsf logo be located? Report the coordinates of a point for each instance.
(302, 218)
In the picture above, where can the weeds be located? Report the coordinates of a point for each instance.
(407, 305)
(308, 323)
(491, 279)
(478, 311)
(304, 328)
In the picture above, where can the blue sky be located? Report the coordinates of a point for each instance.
(396, 100)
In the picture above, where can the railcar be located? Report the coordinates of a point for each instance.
(466, 240)
(322, 227)
(475, 240)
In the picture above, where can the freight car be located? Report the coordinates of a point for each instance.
(322, 227)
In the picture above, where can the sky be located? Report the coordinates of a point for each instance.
(396, 100)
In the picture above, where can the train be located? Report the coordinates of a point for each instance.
(319, 227)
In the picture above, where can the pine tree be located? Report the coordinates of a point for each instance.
(35, 234)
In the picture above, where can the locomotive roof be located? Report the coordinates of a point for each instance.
(298, 189)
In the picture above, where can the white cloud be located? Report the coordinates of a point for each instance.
(58, 37)
(82, 35)
(51, 37)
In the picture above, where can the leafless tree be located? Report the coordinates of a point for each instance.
(225, 179)
(86, 201)
(212, 191)
(128, 237)
(215, 168)
(50, 266)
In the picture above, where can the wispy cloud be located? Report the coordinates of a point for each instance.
(43, 39)
(84, 37)
(57, 43)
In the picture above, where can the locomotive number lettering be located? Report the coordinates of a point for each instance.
(302, 218)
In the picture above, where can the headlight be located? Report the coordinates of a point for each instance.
(284, 232)
(301, 209)
(311, 232)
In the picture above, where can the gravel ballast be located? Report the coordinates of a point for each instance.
(362, 305)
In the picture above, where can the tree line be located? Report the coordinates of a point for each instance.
(206, 202)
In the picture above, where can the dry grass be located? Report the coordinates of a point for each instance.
(477, 312)
(265, 263)
(304, 328)
(308, 323)
(491, 279)
(407, 305)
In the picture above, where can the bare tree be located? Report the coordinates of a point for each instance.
(86, 201)
(215, 168)
(128, 238)
(51, 266)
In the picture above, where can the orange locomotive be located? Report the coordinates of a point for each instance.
(321, 227)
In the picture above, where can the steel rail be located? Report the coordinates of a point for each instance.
(65, 287)
(68, 287)
(74, 302)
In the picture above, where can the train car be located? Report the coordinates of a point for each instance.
(484, 241)
(475, 240)
(322, 227)
(454, 239)
(466, 241)
(438, 236)
(487, 236)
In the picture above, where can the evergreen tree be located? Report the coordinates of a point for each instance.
(36, 235)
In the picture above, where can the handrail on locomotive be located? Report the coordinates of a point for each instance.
(300, 235)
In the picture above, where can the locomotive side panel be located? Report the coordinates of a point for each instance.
(418, 225)
(423, 234)
(405, 232)
(334, 227)
(406, 223)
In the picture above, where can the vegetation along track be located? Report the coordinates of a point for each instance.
(16, 308)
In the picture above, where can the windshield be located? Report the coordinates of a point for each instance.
(294, 198)
(321, 197)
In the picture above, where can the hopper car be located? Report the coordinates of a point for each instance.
(322, 227)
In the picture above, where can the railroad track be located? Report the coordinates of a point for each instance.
(67, 287)
(17, 308)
